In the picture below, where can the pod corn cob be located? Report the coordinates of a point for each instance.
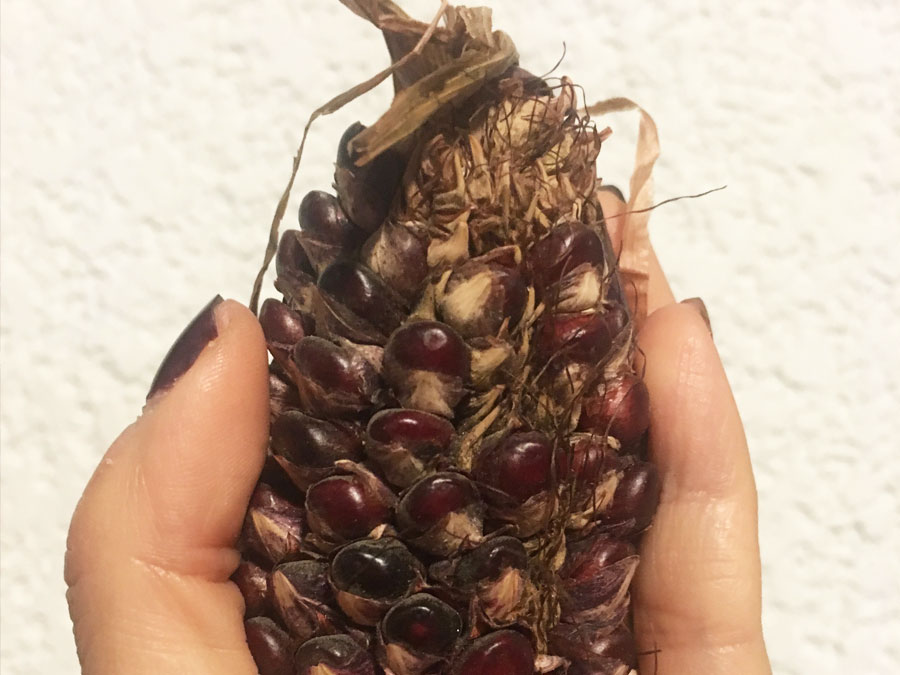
(457, 474)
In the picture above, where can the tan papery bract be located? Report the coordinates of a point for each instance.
(633, 233)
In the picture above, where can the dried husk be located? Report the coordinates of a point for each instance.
(300, 595)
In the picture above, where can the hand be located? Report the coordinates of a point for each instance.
(697, 589)
(151, 545)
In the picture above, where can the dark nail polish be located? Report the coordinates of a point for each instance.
(613, 189)
(700, 306)
(198, 333)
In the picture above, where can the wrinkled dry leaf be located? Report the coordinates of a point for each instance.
(634, 257)
(454, 65)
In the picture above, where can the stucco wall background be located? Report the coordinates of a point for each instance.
(144, 146)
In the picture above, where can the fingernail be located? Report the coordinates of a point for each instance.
(198, 333)
(612, 188)
(700, 307)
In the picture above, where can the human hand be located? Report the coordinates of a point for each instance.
(697, 589)
(151, 545)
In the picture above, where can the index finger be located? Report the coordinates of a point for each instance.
(697, 590)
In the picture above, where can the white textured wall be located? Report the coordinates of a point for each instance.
(144, 145)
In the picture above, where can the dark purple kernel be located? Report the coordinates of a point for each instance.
(290, 258)
(269, 645)
(519, 465)
(273, 474)
(431, 346)
(312, 442)
(589, 460)
(399, 255)
(426, 435)
(363, 293)
(566, 247)
(424, 623)
(490, 559)
(282, 326)
(338, 654)
(322, 218)
(308, 576)
(253, 583)
(581, 337)
(590, 647)
(264, 497)
(343, 153)
(436, 496)
(585, 558)
(515, 294)
(504, 652)
(347, 506)
(331, 366)
(381, 569)
(620, 408)
(282, 394)
(636, 497)
(366, 192)
(505, 298)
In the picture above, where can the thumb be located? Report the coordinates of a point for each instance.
(150, 547)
